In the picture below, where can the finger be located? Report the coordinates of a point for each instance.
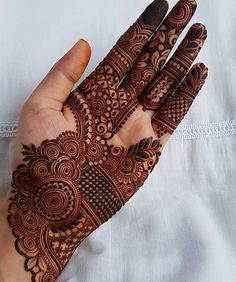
(58, 83)
(122, 56)
(159, 47)
(173, 110)
(175, 69)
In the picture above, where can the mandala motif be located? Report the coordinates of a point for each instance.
(67, 187)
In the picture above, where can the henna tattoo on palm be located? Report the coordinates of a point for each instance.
(68, 186)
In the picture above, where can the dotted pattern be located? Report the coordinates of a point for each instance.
(100, 194)
(160, 130)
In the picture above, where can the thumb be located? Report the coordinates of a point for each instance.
(58, 83)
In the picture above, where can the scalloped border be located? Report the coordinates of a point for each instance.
(183, 131)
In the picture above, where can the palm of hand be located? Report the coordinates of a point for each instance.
(101, 147)
(74, 182)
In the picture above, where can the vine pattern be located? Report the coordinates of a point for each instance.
(67, 187)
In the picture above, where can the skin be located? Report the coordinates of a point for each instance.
(44, 116)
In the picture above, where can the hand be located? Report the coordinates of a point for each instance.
(86, 152)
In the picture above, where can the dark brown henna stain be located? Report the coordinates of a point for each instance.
(130, 45)
(176, 68)
(160, 45)
(68, 187)
(101, 87)
(154, 56)
(173, 110)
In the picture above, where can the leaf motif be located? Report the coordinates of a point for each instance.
(155, 144)
(34, 149)
(155, 58)
(139, 159)
(31, 263)
(148, 142)
(27, 158)
(25, 153)
(141, 65)
(131, 150)
(26, 148)
(145, 56)
(42, 264)
(143, 155)
(142, 144)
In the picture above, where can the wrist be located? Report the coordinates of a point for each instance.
(11, 264)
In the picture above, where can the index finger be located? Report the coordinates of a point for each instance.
(127, 49)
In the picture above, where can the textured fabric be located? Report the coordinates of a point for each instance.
(181, 225)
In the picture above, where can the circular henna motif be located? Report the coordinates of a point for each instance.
(72, 148)
(111, 164)
(22, 178)
(21, 203)
(29, 221)
(96, 152)
(99, 102)
(180, 15)
(48, 277)
(51, 149)
(40, 168)
(130, 189)
(127, 165)
(57, 201)
(29, 243)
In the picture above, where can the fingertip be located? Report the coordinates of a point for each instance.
(155, 12)
(181, 14)
(82, 50)
(199, 29)
(64, 74)
(75, 61)
(85, 45)
(196, 78)
(201, 67)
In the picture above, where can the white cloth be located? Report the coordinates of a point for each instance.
(181, 225)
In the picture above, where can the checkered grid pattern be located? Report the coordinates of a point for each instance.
(175, 108)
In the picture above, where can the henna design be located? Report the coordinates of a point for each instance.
(183, 14)
(103, 82)
(68, 187)
(159, 47)
(122, 101)
(120, 57)
(173, 110)
(130, 45)
(176, 68)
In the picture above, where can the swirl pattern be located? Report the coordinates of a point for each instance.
(56, 201)
(67, 187)
(181, 14)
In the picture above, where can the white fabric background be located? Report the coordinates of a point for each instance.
(181, 225)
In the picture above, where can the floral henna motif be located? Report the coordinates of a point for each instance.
(123, 101)
(101, 89)
(173, 110)
(130, 45)
(175, 69)
(159, 47)
(120, 58)
(68, 187)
